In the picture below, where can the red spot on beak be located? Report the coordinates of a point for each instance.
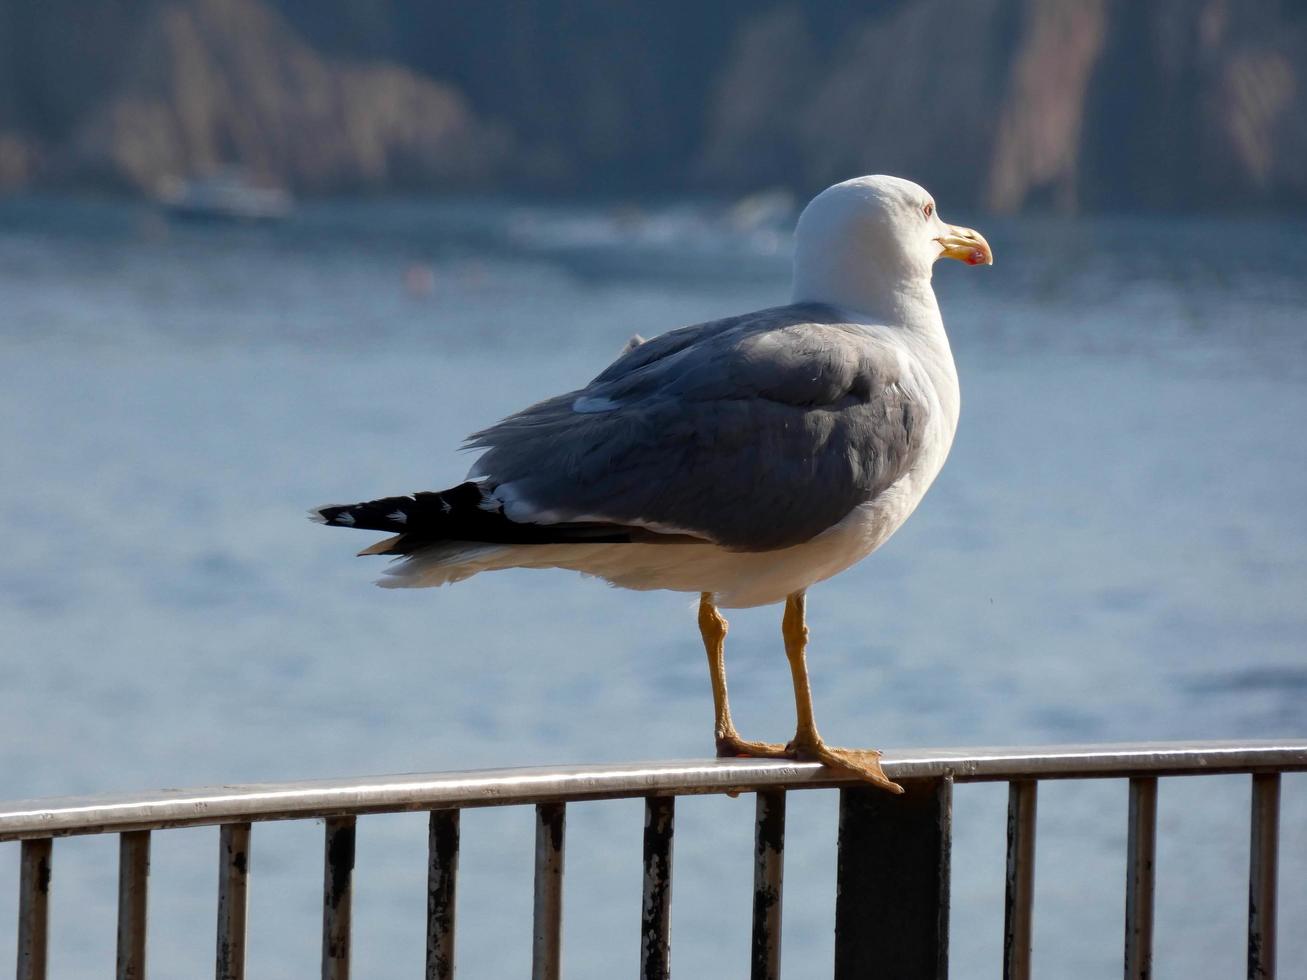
(977, 257)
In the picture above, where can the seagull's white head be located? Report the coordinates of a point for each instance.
(869, 245)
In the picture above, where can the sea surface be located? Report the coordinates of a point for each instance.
(1116, 550)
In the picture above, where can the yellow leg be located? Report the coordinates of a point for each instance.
(807, 743)
(712, 625)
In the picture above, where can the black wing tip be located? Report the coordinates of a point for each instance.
(337, 515)
(393, 514)
(465, 513)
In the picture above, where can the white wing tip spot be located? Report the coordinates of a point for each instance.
(399, 517)
(586, 405)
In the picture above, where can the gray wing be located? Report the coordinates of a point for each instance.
(756, 432)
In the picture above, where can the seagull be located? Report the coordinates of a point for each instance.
(742, 459)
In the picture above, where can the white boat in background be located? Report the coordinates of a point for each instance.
(227, 195)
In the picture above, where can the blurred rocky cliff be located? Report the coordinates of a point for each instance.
(1004, 104)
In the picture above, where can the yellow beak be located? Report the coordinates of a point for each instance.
(966, 245)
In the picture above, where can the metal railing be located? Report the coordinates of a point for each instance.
(892, 870)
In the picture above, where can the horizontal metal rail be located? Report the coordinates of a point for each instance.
(505, 787)
(893, 865)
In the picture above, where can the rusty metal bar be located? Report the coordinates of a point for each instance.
(1141, 854)
(547, 937)
(233, 899)
(1263, 874)
(502, 787)
(133, 900)
(1018, 903)
(337, 897)
(656, 900)
(442, 891)
(768, 885)
(34, 908)
(892, 881)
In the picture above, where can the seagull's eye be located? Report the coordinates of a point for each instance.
(929, 209)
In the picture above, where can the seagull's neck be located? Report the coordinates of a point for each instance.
(870, 297)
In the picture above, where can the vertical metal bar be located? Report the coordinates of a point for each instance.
(892, 900)
(33, 908)
(1263, 872)
(768, 885)
(233, 899)
(337, 897)
(133, 895)
(547, 939)
(656, 904)
(442, 890)
(1022, 802)
(1141, 853)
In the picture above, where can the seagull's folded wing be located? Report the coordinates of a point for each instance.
(756, 433)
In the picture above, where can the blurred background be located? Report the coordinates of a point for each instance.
(1166, 104)
(259, 255)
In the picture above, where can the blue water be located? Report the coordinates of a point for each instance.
(1117, 549)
